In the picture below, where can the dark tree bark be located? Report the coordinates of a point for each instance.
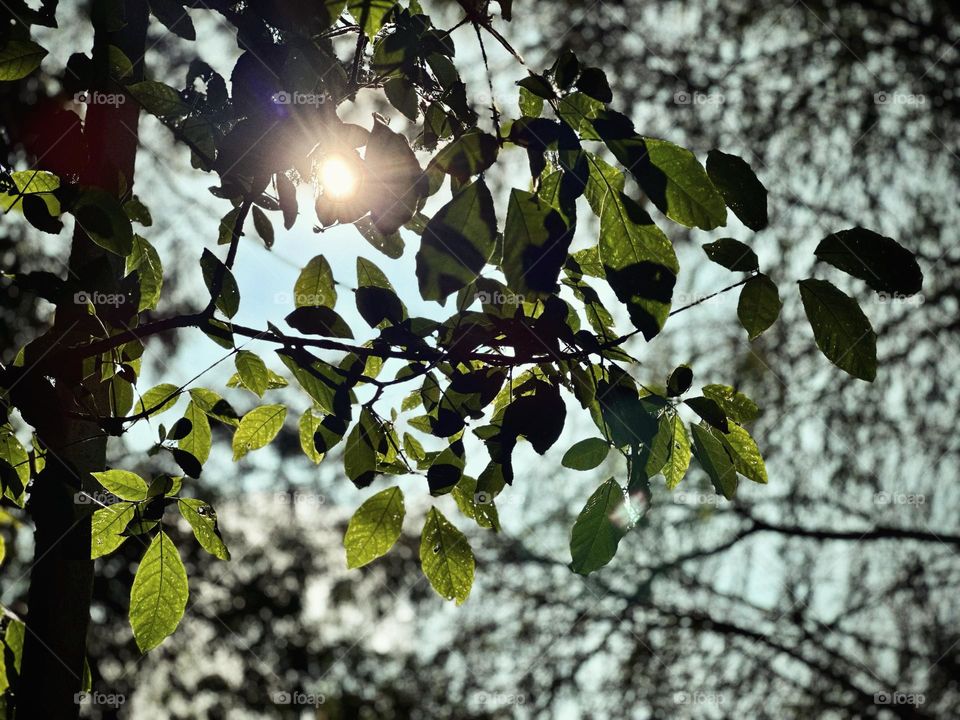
(61, 578)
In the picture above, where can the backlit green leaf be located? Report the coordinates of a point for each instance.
(598, 529)
(843, 333)
(257, 428)
(446, 558)
(374, 528)
(159, 594)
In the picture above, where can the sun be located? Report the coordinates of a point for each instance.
(339, 177)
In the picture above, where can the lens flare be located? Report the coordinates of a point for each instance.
(339, 177)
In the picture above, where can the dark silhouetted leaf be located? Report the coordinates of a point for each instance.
(881, 262)
(843, 333)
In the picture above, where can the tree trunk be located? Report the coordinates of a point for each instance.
(61, 579)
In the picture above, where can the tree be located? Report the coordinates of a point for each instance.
(529, 333)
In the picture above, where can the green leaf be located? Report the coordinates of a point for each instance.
(253, 372)
(469, 155)
(309, 424)
(228, 301)
(123, 483)
(679, 381)
(159, 594)
(457, 243)
(257, 428)
(158, 399)
(759, 305)
(689, 198)
(709, 411)
(403, 96)
(735, 404)
(198, 441)
(746, 455)
(741, 190)
(586, 454)
(108, 525)
(579, 110)
(446, 558)
(203, 519)
(158, 99)
(395, 180)
(215, 406)
(263, 226)
(360, 454)
(370, 14)
(670, 452)
(530, 104)
(567, 69)
(374, 528)
(391, 245)
(535, 243)
(598, 529)
(732, 254)
(319, 321)
(19, 58)
(884, 264)
(145, 260)
(476, 504)
(713, 457)
(539, 87)
(315, 286)
(15, 455)
(843, 333)
(103, 219)
(593, 82)
(639, 261)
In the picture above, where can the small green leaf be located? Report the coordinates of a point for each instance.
(198, 441)
(374, 528)
(253, 372)
(123, 483)
(593, 82)
(319, 321)
(370, 14)
(741, 190)
(713, 456)
(538, 86)
(670, 452)
(19, 58)
(598, 529)
(159, 594)
(843, 333)
(881, 262)
(107, 529)
(446, 558)
(536, 239)
(158, 399)
(469, 155)
(759, 305)
(257, 428)
(159, 99)
(203, 519)
(145, 261)
(746, 455)
(457, 242)
(309, 424)
(315, 286)
(709, 411)
(586, 454)
(732, 254)
(102, 218)
(735, 404)
(228, 301)
(263, 227)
